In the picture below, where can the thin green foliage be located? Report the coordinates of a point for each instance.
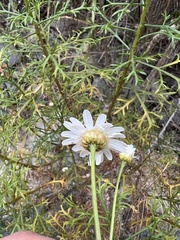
(57, 60)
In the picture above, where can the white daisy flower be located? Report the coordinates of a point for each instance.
(128, 154)
(102, 133)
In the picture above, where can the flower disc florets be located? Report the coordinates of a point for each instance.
(94, 136)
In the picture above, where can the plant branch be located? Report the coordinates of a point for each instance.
(43, 43)
(46, 53)
(35, 190)
(126, 69)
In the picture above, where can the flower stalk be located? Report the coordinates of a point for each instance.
(94, 196)
(113, 215)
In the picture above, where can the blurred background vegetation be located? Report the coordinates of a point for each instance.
(58, 58)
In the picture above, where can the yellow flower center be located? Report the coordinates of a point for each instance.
(94, 136)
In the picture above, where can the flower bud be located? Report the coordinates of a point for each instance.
(128, 155)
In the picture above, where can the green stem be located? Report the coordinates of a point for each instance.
(94, 197)
(126, 69)
(115, 201)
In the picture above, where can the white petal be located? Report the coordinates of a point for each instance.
(114, 130)
(77, 129)
(88, 121)
(117, 145)
(116, 135)
(130, 150)
(67, 124)
(75, 121)
(77, 148)
(69, 134)
(99, 157)
(84, 153)
(69, 141)
(107, 153)
(107, 125)
(100, 120)
(119, 135)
